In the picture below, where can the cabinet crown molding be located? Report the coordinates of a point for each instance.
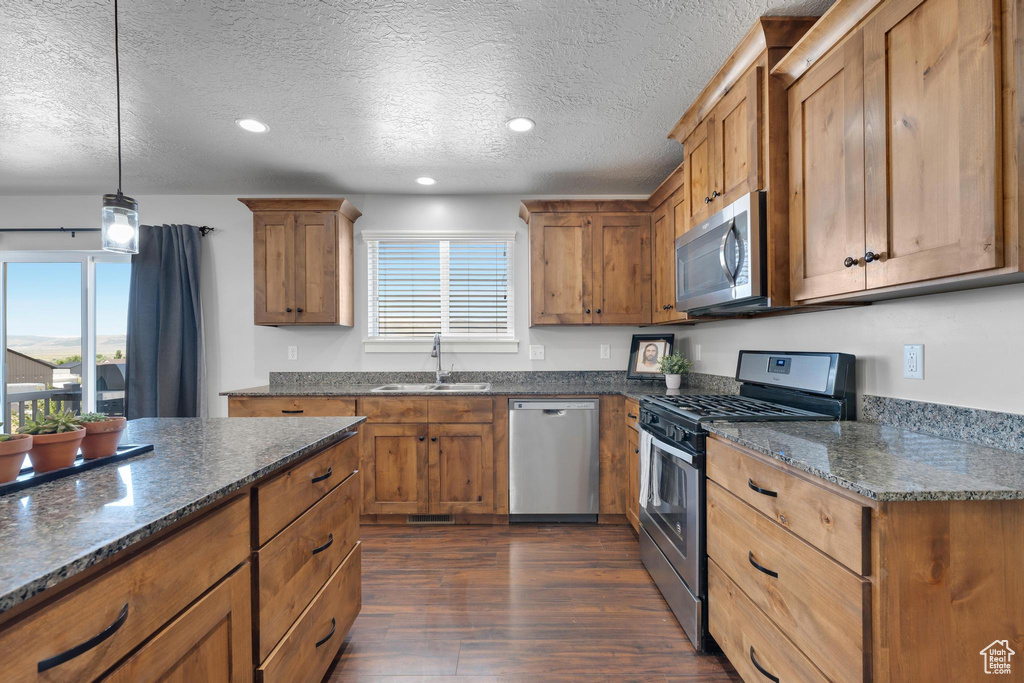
(304, 204)
(529, 206)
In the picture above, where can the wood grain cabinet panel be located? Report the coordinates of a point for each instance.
(460, 409)
(395, 465)
(287, 406)
(933, 115)
(316, 271)
(622, 269)
(394, 410)
(561, 268)
(461, 461)
(699, 177)
(737, 153)
(823, 607)
(663, 257)
(274, 268)
(210, 641)
(633, 479)
(826, 170)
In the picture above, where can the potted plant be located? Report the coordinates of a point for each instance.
(55, 440)
(13, 448)
(674, 366)
(102, 434)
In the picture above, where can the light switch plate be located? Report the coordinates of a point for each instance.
(536, 352)
(696, 352)
(606, 351)
(913, 361)
(293, 353)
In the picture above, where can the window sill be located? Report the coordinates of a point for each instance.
(447, 345)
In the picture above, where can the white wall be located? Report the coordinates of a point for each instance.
(973, 340)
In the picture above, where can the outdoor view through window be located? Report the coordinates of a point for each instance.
(44, 338)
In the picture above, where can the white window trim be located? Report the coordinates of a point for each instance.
(88, 261)
(449, 344)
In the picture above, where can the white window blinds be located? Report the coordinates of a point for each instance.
(460, 287)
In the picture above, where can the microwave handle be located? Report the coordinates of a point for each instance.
(729, 275)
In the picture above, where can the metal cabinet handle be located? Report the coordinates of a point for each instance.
(588, 310)
(328, 636)
(715, 194)
(764, 492)
(84, 647)
(433, 438)
(631, 416)
(707, 200)
(422, 438)
(870, 256)
(298, 310)
(599, 311)
(764, 570)
(764, 671)
(325, 546)
(850, 262)
(636, 450)
(287, 310)
(293, 412)
(325, 475)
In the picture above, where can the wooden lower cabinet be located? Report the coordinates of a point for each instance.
(633, 479)
(210, 641)
(395, 463)
(290, 406)
(461, 468)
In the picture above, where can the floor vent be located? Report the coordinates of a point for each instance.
(430, 519)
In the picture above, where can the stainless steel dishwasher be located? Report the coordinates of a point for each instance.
(553, 465)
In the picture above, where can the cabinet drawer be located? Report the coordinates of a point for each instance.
(746, 636)
(312, 642)
(295, 564)
(289, 494)
(819, 604)
(129, 602)
(449, 410)
(394, 410)
(296, 406)
(836, 525)
(632, 413)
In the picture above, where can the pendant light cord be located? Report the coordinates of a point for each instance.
(117, 76)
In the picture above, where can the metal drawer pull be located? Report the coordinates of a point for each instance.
(325, 475)
(631, 416)
(292, 412)
(333, 624)
(765, 570)
(325, 546)
(765, 492)
(764, 671)
(82, 648)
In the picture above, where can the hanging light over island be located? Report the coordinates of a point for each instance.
(120, 214)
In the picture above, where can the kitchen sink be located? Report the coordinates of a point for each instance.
(453, 388)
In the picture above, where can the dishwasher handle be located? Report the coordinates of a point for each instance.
(550, 407)
(554, 411)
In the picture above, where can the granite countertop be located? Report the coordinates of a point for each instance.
(885, 463)
(54, 531)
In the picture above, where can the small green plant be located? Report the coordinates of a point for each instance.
(92, 417)
(674, 364)
(54, 423)
(4, 437)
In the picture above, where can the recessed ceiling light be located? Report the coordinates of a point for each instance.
(520, 125)
(252, 125)
(424, 180)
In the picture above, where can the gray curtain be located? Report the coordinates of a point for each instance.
(166, 366)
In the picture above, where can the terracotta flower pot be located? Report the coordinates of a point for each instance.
(12, 454)
(101, 438)
(54, 451)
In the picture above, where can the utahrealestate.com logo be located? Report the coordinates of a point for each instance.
(997, 657)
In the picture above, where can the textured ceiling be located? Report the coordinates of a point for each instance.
(360, 96)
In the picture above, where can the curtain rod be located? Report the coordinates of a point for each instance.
(204, 230)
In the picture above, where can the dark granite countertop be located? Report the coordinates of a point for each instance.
(885, 463)
(54, 531)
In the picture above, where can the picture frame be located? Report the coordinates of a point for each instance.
(644, 353)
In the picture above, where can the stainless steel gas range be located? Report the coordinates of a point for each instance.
(775, 386)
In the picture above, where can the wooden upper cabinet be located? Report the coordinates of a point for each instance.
(737, 153)
(932, 92)
(699, 174)
(663, 264)
(561, 271)
(622, 268)
(302, 261)
(826, 172)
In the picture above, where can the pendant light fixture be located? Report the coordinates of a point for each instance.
(120, 214)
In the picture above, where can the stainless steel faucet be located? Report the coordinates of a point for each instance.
(441, 376)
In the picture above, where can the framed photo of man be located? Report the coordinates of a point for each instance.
(646, 352)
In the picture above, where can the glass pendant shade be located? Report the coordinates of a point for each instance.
(120, 224)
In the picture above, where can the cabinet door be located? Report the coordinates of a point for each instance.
(274, 267)
(737, 153)
(461, 468)
(395, 469)
(633, 479)
(826, 175)
(932, 112)
(316, 267)
(663, 298)
(210, 641)
(561, 268)
(622, 269)
(698, 174)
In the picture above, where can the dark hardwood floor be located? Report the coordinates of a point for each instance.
(514, 603)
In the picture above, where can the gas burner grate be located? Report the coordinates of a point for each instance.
(711, 407)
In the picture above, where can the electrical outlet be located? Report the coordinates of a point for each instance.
(696, 352)
(536, 352)
(293, 353)
(913, 361)
(606, 351)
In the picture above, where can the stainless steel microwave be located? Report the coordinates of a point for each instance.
(720, 264)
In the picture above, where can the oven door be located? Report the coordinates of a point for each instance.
(674, 509)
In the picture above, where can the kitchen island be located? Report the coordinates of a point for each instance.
(179, 557)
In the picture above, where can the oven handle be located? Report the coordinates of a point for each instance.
(672, 450)
(729, 275)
